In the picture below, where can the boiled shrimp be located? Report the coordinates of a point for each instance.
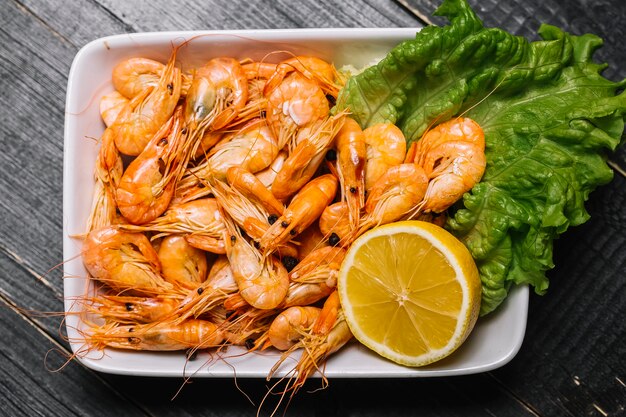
(315, 276)
(294, 104)
(334, 222)
(182, 263)
(262, 280)
(252, 188)
(248, 213)
(193, 333)
(199, 220)
(131, 76)
(253, 148)
(351, 157)
(313, 68)
(124, 261)
(147, 186)
(328, 334)
(385, 146)
(215, 290)
(305, 159)
(287, 328)
(304, 208)
(147, 111)
(218, 92)
(129, 309)
(398, 192)
(453, 157)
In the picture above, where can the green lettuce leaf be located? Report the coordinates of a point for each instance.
(549, 119)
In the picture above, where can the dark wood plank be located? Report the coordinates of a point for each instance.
(31, 386)
(191, 15)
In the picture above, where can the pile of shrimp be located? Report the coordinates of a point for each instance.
(226, 198)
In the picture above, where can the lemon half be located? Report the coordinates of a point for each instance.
(410, 291)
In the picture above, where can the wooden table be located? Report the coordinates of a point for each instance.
(572, 362)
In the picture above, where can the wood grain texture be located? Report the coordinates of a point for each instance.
(31, 386)
(571, 362)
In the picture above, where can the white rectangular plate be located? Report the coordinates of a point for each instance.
(495, 339)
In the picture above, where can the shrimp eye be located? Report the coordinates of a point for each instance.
(183, 131)
(200, 290)
(129, 306)
(331, 99)
(249, 343)
(162, 142)
(353, 190)
(333, 239)
(284, 224)
(289, 262)
(262, 114)
(272, 218)
(170, 88)
(292, 232)
(134, 340)
(331, 155)
(233, 238)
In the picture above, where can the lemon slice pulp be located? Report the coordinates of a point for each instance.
(410, 291)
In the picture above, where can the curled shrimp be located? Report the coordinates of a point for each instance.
(262, 280)
(147, 111)
(131, 76)
(294, 104)
(304, 208)
(182, 263)
(351, 157)
(148, 184)
(130, 309)
(453, 157)
(313, 68)
(124, 261)
(385, 146)
(253, 148)
(397, 193)
(193, 333)
(287, 328)
(219, 90)
(305, 159)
